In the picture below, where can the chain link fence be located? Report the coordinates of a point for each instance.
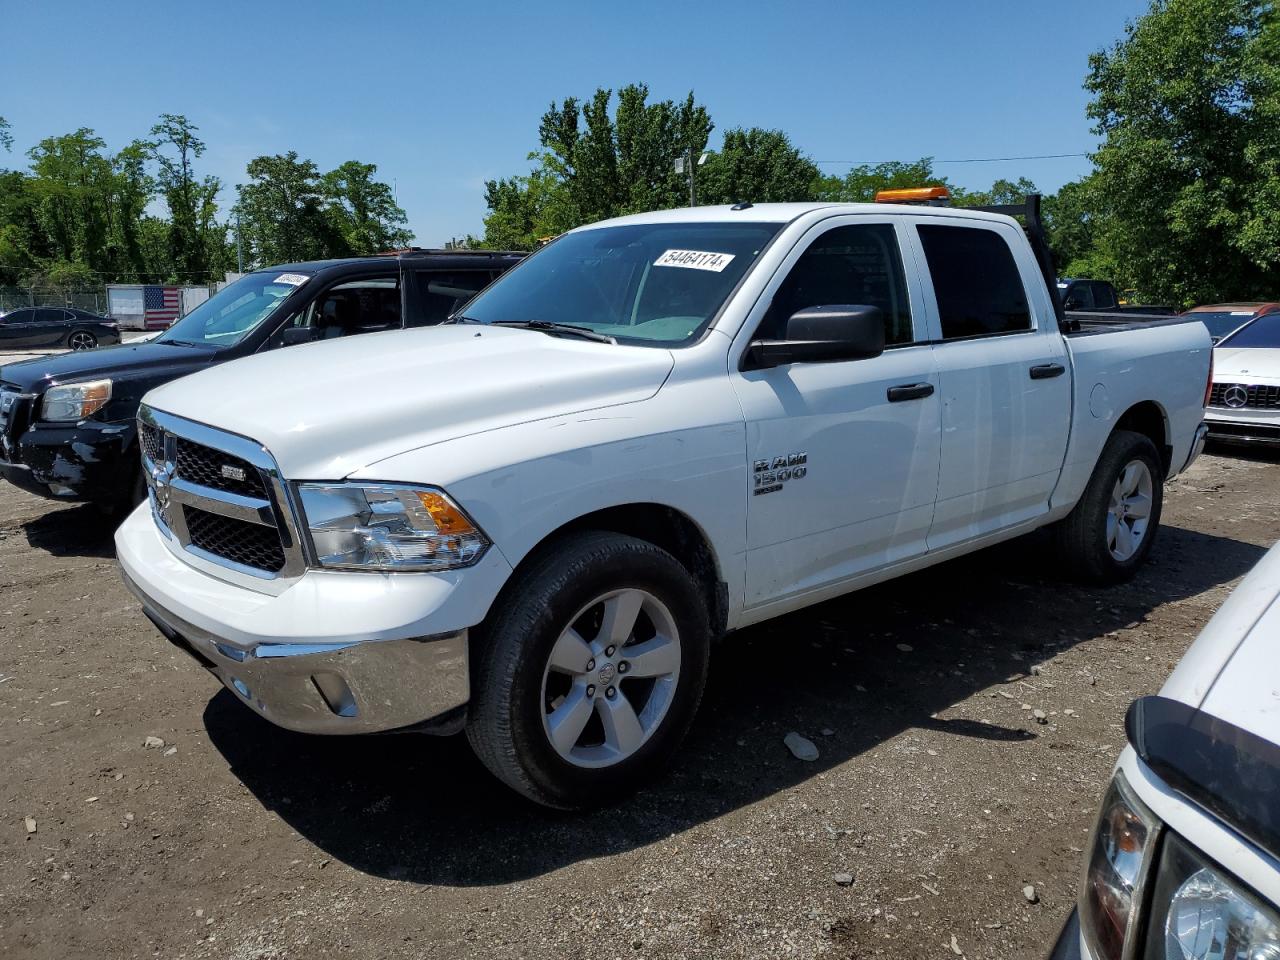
(92, 298)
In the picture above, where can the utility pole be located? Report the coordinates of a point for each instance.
(686, 165)
(239, 249)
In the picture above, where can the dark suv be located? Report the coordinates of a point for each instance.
(67, 422)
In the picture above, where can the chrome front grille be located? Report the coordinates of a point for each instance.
(1233, 396)
(218, 496)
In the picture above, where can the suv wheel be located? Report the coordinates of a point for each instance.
(589, 671)
(1110, 532)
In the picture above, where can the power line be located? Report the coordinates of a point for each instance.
(1039, 156)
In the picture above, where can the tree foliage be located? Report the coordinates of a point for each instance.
(760, 166)
(1186, 195)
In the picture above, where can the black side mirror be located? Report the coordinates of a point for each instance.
(292, 336)
(823, 334)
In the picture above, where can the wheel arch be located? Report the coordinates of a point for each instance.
(1148, 418)
(664, 526)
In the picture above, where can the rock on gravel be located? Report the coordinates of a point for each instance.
(800, 747)
(1030, 893)
(153, 743)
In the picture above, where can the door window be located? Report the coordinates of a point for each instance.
(18, 316)
(442, 293)
(354, 307)
(1080, 297)
(976, 281)
(858, 264)
(48, 315)
(1104, 297)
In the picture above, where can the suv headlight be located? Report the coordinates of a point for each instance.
(1122, 842)
(385, 526)
(1198, 912)
(75, 401)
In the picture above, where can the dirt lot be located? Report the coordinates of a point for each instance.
(936, 788)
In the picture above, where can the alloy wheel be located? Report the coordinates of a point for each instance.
(1130, 510)
(82, 341)
(610, 678)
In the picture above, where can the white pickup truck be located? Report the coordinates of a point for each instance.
(533, 521)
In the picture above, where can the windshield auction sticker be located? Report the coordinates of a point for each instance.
(292, 279)
(694, 260)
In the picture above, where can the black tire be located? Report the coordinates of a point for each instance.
(81, 340)
(512, 649)
(1082, 537)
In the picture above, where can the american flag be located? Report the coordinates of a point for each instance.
(160, 306)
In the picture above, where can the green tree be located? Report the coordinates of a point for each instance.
(592, 165)
(6, 138)
(363, 210)
(760, 166)
(191, 199)
(22, 240)
(73, 186)
(282, 212)
(1187, 189)
(861, 183)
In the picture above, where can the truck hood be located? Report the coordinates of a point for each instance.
(326, 409)
(1230, 671)
(1246, 363)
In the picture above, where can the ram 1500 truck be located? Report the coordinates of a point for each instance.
(67, 423)
(532, 521)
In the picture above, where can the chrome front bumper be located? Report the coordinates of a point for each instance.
(357, 686)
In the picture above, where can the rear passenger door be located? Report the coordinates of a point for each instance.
(1004, 378)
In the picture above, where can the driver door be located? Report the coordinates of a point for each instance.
(17, 329)
(842, 456)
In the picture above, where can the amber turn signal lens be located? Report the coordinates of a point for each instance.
(913, 195)
(447, 517)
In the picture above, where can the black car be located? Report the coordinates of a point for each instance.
(67, 426)
(30, 328)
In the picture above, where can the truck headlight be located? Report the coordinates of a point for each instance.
(1122, 842)
(75, 401)
(1199, 913)
(385, 526)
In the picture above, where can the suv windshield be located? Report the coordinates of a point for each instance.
(654, 283)
(235, 311)
(1263, 332)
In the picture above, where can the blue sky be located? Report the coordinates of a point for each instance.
(444, 96)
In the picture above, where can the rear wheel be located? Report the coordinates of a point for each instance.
(1111, 530)
(82, 340)
(590, 670)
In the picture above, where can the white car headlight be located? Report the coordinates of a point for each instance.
(1122, 843)
(75, 401)
(1198, 913)
(385, 526)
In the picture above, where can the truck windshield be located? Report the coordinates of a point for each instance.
(1263, 332)
(657, 284)
(235, 311)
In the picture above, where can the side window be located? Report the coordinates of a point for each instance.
(351, 308)
(19, 316)
(976, 282)
(49, 315)
(1103, 296)
(1080, 297)
(856, 264)
(440, 293)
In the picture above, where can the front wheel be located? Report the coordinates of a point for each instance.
(1110, 532)
(82, 340)
(589, 671)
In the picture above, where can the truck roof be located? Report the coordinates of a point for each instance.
(786, 212)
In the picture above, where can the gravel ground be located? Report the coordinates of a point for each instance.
(936, 789)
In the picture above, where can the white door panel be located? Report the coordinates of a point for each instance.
(870, 466)
(866, 498)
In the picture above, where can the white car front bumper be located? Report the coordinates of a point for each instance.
(335, 652)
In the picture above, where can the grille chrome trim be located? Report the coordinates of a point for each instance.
(168, 492)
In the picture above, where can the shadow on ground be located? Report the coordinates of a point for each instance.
(82, 530)
(422, 809)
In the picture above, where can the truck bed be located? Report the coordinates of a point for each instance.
(1086, 323)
